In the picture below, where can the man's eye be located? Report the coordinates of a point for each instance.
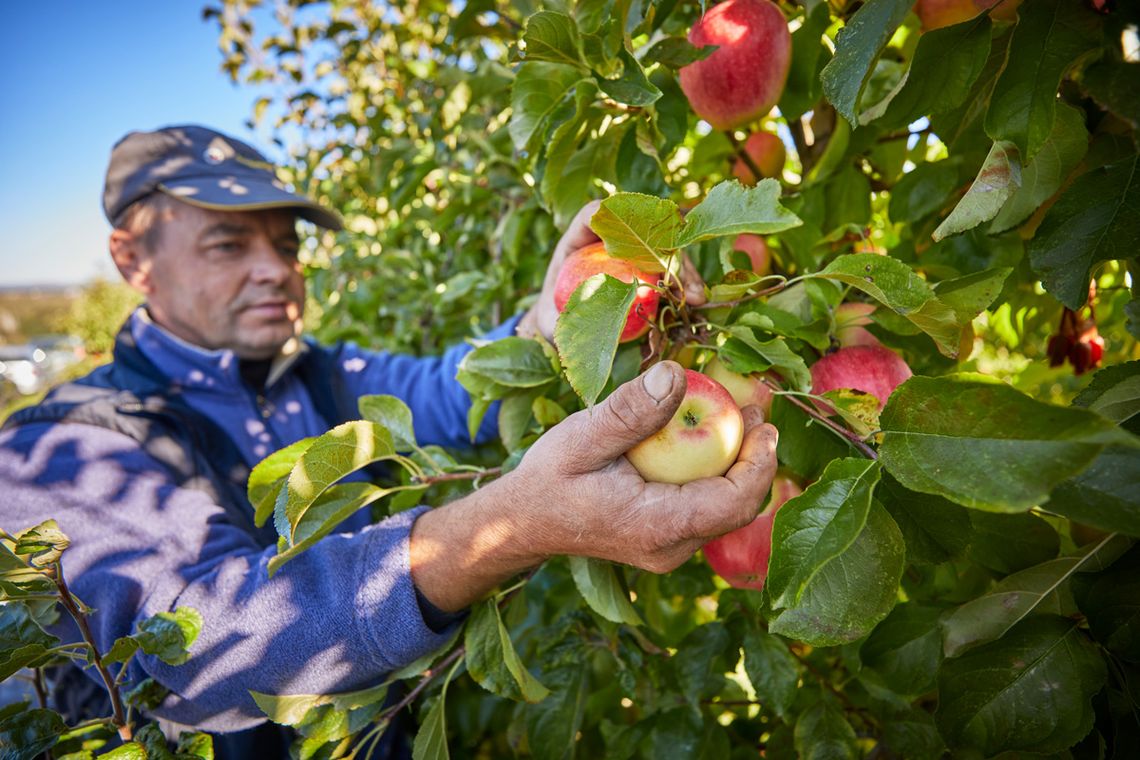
(226, 246)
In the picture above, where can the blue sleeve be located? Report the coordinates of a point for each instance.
(335, 619)
(427, 385)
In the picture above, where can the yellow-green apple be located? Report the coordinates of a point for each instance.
(872, 369)
(935, 14)
(850, 322)
(756, 250)
(741, 557)
(766, 151)
(745, 389)
(745, 76)
(584, 263)
(702, 440)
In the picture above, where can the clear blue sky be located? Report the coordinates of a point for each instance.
(75, 76)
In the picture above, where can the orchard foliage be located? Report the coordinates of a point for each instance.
(959, 574)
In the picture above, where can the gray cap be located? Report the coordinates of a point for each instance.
(201, 167)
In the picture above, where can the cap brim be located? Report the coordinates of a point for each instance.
(237, 193)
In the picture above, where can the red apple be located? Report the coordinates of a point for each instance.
(745, 76)
(872, 369)
(767, 152)
(586, 262)
(741, 557)
(757, 251)
(702, 439)
(745, 389)
(850, 320)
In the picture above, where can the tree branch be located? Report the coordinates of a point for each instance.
(814, 413)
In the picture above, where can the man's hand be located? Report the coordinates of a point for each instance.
(575, 493)
(544, 315)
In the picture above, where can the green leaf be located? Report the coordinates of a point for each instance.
(1050, 37)
(492, 660)
(552, 37)
(819, 525)
(22, 642)
(290, 709)
(1029, 691)
(1035, 590)
(1111, 603)
(26, 734)
(335, 505)
(701, 660)
(984, 445)
(553, 725)
(906, 648)
(632, 87)
(972, 294)
(169, 635)
(851, 593)
(772, 669)
(1113, 393)
(431, 738)
(676, 52)
(538, 91)
(1115, 85)
(513, 362)
(1066, 146)
(638, 227)
(268, 478)
(744, 354)
(567, 178)
(1096, 219)
(588, 330)
(1105, 495)
(731, 209)
(600, 584)
(857, 48)
(823, 733)
(1007, 543)
(196, 744)
(809, 56)
(393, 414)
(924, 190)
(344, 449)
(128, 751)
(42, 545)
(913, 735)
(945, 66)
(936, 530)
(997, 182)
(897, 286)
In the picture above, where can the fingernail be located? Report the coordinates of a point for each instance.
(658, 382)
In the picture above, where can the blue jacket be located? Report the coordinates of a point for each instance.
(148, 536)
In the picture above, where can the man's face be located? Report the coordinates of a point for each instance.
(227, 279)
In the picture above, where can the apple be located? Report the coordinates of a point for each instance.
(584, 263)
(756, 250)
(766, 151)
(872, 369)
(741, 557)
(745, 76)
(935, 14)
(745, 389)
(702, 440)
(850, 320)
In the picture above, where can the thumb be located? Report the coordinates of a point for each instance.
(632, 413)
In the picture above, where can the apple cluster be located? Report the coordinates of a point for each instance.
(1076, 341)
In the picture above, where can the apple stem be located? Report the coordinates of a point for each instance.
(784, 283)
(851, 437)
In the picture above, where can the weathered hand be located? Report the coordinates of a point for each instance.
(585, 498)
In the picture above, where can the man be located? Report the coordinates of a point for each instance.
(143, 463)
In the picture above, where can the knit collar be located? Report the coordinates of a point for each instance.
(192, 367)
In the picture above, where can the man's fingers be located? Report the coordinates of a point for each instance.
(756, 466)
(632, 413)
(579, 234)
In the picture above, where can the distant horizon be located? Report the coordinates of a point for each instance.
(109, 69)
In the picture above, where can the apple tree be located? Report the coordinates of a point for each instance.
(916, 225)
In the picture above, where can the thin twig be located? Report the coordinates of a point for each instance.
(428, 480)
(744, 299)
(743, 155)
(119, 718)
(814, 413)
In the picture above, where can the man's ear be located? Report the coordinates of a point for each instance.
(132, 259)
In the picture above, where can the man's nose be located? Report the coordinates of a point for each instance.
(270, 264)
